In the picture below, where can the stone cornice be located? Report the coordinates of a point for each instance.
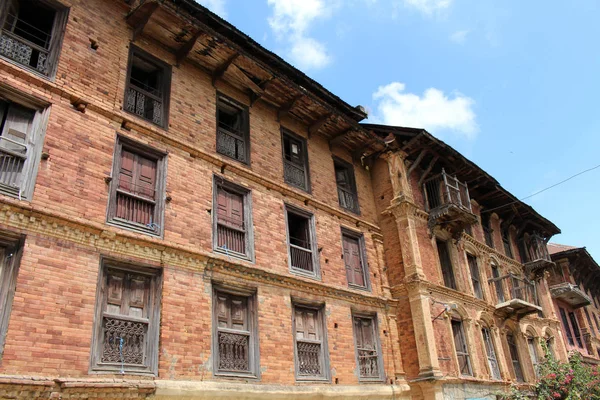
(402, 206)
(486, 249)
(106, 239)
(124, 119)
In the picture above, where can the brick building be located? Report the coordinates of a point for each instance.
(170, 226)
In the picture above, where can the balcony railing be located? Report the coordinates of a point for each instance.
(294, 174)
(348, 199)
(145, 104)
(26, 44)
(231, 144)
(521, 298)
(536, 253)
(12, 160)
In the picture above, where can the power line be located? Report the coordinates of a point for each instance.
(543, 190)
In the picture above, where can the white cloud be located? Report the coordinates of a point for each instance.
(428, 7)
(290, 22)
(433, 111)
(216, 6)
(459, 37)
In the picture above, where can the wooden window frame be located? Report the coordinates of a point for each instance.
(506, 243)
(446, 243)
(488, 232)
(123, 142)
(363, 257)
(352, 177)
(375, 326)
(151, 351)
(477, 279)
(489, 346)
(286, 133)
(57, 37)
(12, 247)
(589, 319)
(566, 326)
(254, 348)
(576, 329)
(519, 377)
(316, 272)
(465, 344)
(322, 321)
(533, 355)
(135, 51)
(230, 102)
(246, 193)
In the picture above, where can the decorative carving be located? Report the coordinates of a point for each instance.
(233, 351)
(22, 53)
(309, 358)
(368, 363)
(231, 145)
(123, 341)
(294, 175)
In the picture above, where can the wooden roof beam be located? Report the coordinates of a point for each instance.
(220, 70)
(139, 17)
(286, 108)
(338, 138)
(417, 161)
(254, 96)
(185, 49)
(318, 124)
(428, 170)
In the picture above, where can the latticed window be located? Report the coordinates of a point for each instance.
(11, 247)
(490, 351)
(127, 319)
(148, 86)
(32, 32)
(367, 348)
(137, 188)
(295, 161)
(354, 261)
(514, 357)
(446, 264)
(302, 246)
(235, 334)
(233, 130)
(346, 185)
(462, 351)
(475, 276)
(311, 352)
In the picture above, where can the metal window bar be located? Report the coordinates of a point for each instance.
(12, 162)
(21, 28)
(444, 189)
(491, 354)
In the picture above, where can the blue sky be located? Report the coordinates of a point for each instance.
(512, 84)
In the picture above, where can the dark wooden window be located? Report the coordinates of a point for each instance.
(462, 351)
(295, 161)
(232, 220)
(506, 242)
(498, 284)
(565, 322)
(11, 247)
(235, 340)
(346, 185)
(596, 321)
(147, 88)
(535, 361)
(310, 345)
(368, 350)
(490, 351)
(233, 129)
(446, 264)
(137, 188)
(475, 276)
(488, 232)
(589, 319)
(32, 32)
(302, 242)
(354, 259)
(576, 331)
(127, 319)
(514, 357)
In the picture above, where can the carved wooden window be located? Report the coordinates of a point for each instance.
(567, 328)
(232, 220)
(475, 276)
(446, 264)
(295, 161)
(233, 129)
(535, 361)
(498, 284)
(147, 87)
(490, 351)
(302, 242)
(462, 351)
(137, 188)
(368, 350)
(32, 32)
(235, 340)
(354, 259)
(11, 247)
(488, 232)
(514, 357)
(310, 345)
(576, 331)
(346, 185)
(506, 242)
(127, 319)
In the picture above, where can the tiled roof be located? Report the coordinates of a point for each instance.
(554, 248)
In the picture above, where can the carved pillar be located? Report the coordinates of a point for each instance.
(545, 298)
(382, 278)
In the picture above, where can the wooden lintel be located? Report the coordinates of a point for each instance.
(185, 49)
(286, 108)
(255, 96)
(139, 17)
(318, 124)
(416, 163)
(428, 170)
(220, 70)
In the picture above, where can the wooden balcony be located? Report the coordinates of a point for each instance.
(448, 203)
(570, 294)
(537, 256)
(515, 296)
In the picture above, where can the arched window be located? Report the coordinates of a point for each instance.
(514, 356)
(462, 350)
(490, 352)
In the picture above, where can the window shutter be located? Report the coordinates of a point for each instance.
(126, 173)
(236, 210)
(146, 177)
(352, 259)
(222, 311)
(16, 127)
(138, 296)
(238, 313)
(115, 285)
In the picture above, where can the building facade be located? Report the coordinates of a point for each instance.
(185, 215)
